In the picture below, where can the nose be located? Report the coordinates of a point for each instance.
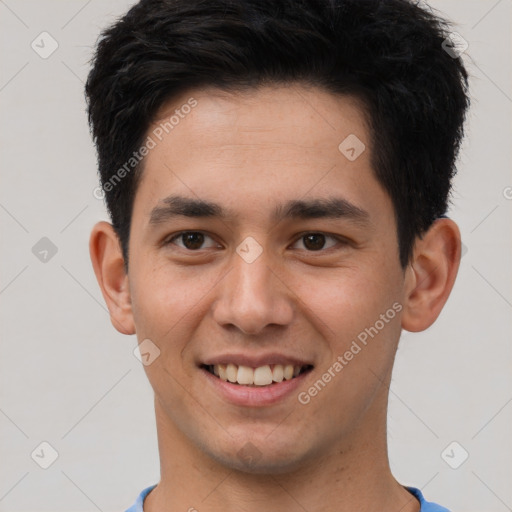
(252, 297)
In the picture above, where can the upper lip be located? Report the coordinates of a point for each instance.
(255, 361)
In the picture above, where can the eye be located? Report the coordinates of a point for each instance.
(316, 241)
(191, 240)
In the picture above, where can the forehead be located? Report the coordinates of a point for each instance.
(249, 148)
(285, 114)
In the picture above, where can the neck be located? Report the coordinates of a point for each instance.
(353, 475)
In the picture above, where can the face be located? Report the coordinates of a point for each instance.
(257, 242)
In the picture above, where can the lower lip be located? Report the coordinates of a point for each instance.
(253, 396)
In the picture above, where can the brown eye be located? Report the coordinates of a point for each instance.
(314, 242)
(317, 241)
(190, 240)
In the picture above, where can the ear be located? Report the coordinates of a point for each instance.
(431, 274)
(108, 262)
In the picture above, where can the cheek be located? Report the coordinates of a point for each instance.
(164, 300)
(359, 321)
(344, 302)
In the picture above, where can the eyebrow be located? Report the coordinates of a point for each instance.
(329, 208)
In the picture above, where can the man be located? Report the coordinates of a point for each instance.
(277, 175)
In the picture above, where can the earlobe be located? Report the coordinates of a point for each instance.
(107, 260)
(431, 274)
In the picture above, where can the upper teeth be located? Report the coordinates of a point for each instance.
(261, 376)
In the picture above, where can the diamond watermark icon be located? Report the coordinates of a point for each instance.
(352, 147)
(454, 45)
(463, 249)
(249, 454)
(146, 352)
(44, 45)
(44, 455)
(454, 455)
(44, 250)
(249, 250)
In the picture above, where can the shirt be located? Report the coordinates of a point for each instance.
(426, 506)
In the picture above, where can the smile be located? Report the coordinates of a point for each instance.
(266, 375)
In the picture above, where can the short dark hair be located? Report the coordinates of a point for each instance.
(387, 53)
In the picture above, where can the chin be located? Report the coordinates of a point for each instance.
(260, 457)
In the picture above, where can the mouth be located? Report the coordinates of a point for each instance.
(263, 376)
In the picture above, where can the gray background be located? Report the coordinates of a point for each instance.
(68, 378)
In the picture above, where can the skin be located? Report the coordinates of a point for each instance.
(249, 152)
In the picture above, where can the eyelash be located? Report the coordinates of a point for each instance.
(338, 239)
